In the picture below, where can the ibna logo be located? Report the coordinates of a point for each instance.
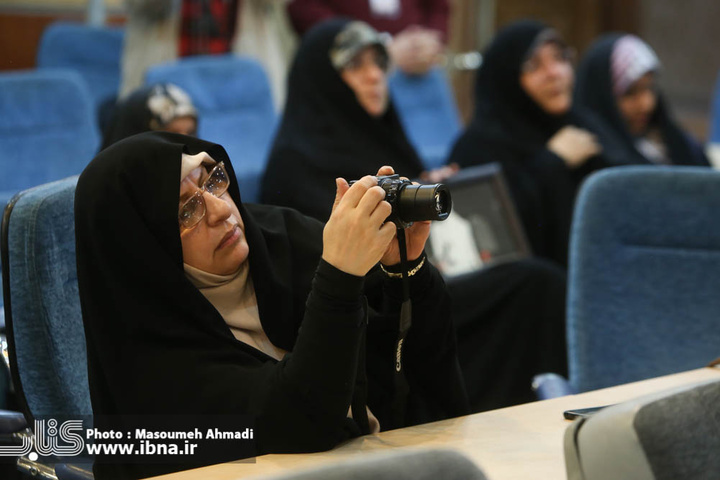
(49, 439)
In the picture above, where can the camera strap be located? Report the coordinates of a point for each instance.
(401, 385)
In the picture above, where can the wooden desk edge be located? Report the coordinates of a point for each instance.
(534, 430)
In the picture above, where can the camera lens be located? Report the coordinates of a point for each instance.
(424, 202)
(442, 202)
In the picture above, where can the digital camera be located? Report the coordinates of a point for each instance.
(414, 203)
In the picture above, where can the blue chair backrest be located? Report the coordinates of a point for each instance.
(93, 52)
(47, 128)
(235, 108)
(428, 112)
(644, 275)
(44, 321)
(714, 136)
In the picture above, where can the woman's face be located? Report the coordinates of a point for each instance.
(217, 244)
(638, 103)
(184, 125)
(547, 77)
(366, 75)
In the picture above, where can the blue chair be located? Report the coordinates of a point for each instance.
(235, 108)
(644, 275)
(47, 128)
(428, 113)
(44, 321)
(93, 52)
(714, 136)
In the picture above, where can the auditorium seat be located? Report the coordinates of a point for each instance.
(715, 114)
(235, 109)
(422, 464)
(428, 113)
(47, 128)
(666, 435)
(44, 321)
(713, 149)
(93, 52)
(643, 275)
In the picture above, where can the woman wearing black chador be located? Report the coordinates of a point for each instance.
(325, 131)
(195, 304)
(524, 119)
(339, 121)
(618, 82)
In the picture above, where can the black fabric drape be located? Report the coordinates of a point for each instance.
(594, 92)
(156, 346)
(510, 128)
(326, 133)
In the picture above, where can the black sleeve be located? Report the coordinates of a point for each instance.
(430, 358)
(307, 407)
(299, 404)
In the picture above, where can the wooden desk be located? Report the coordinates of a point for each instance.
(512, 443)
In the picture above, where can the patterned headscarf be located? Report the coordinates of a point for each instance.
(631, 59)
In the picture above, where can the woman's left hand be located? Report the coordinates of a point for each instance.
(415, 236)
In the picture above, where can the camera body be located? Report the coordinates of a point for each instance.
(414, 203)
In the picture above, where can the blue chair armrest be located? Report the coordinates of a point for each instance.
(65, 471)
(11, 422)
(551, 385)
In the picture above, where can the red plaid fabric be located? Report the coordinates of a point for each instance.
(207, 26)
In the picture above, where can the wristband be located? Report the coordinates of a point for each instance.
(410, 273)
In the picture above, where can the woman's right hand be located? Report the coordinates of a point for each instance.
(574, 145)
(356, 235)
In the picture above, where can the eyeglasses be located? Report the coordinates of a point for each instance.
(194, 209)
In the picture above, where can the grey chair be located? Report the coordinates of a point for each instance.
(44, 322)
(394, 465)
(671, 435)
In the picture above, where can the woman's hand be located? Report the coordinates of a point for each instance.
(356, 235)
(440, 174)
(416, 50)
(415, 238)
(574, 145)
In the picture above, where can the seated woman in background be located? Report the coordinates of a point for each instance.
(340, 121)
(617, 80)
(327, 130)
(525, 120)
(162, 107)
(196, 304)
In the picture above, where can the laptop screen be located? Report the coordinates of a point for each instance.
(483, 228)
